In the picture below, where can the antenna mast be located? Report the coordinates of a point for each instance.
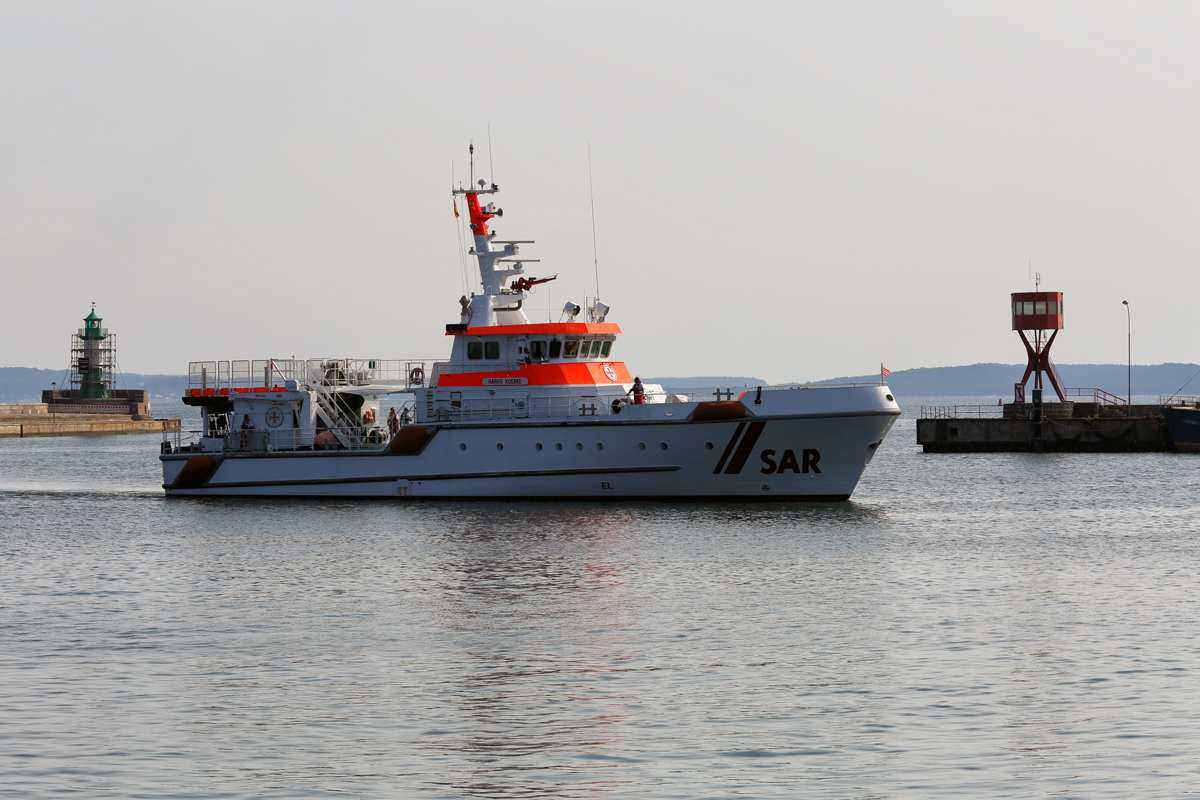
(592, 197)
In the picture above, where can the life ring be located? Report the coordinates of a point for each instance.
(416, 376)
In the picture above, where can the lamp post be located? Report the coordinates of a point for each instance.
(53, 406)
(1128, 355)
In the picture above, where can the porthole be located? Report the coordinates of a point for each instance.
(641, 445)
(708, 445)
(889, 397)
(462, 445)
(499, 446)
(663, 445)
(538, 445)
(579, 445)
(599, 445)
(558, 446)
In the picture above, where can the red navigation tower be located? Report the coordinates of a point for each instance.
(1040, 313)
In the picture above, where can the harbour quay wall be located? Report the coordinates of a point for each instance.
(1117, 434)
(22, 409)
(102, 426)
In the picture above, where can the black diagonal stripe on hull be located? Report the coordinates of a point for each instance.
(729, 447)
(753, 431)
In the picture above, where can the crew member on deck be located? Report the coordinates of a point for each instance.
(638, 391)
(247, 426)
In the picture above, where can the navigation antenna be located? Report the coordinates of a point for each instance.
(592, 197)
(472, 149)
(491, 164)
(1036, 277)
(463, 269)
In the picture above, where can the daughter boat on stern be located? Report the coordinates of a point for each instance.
(520, 410)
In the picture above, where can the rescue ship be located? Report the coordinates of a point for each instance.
(519, 410)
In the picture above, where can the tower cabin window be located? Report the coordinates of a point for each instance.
(606, 349)
(1052, 306)
(474, 350)
(537, 350)
(555, 348)
(571, 350)
(1028, 306)
(491, 350)
(1039, 307)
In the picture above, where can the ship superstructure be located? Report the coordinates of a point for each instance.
(519, 410)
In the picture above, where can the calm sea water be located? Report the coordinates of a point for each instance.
(968, 625)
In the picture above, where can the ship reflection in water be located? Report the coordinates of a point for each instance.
(540, 621)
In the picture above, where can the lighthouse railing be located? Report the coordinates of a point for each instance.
(961, 412)
(1098, 396)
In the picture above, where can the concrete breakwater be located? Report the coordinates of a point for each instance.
(24, 420)
(1061, 427)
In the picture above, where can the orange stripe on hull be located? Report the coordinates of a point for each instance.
(587, 373)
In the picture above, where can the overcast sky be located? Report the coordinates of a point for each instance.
(793, 191)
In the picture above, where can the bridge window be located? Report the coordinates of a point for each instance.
(555, 348)
(474, 350)
(537, 349)
(491, 350)
(606, 349)
(571, 350)
(596, 348)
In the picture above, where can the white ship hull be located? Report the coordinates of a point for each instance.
(818, 456)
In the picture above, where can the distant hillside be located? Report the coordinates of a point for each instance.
(25, 385)
(998, 379)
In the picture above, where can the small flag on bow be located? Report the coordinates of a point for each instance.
(884, 371)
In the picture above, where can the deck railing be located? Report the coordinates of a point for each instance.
(206, 378)
(1179, 400)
